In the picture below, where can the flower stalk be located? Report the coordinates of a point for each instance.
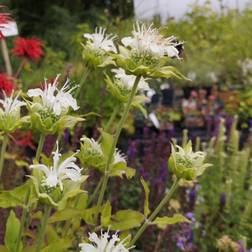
(40, 147)
(115, 140)
(41, 234)
(111, 120)
(3, 150)
(93, 195)
(23, 220)
(154, 214)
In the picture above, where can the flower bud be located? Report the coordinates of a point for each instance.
(185, 163)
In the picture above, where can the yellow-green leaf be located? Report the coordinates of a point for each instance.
(147, 193)
(162, 222)
(106, 214)
(106, 144)
(12, 232)
(126, 219)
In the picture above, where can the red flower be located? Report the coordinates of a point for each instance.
(28, 48)
(6, 83)
(24, 139)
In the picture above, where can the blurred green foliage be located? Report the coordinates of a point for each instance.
(214, 43)
(224, 202)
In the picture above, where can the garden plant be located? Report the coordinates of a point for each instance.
(53, 193)
(95, 157)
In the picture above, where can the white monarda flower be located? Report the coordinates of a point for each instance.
(100, 40)
(10, 104)
(127, 81)
(94, 145)
(119, 157)
(148, 40)
(60, 171)
(105, 243)
(54, 99)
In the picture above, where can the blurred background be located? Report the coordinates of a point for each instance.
(214, 109)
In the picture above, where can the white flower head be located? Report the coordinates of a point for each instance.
(104, 243)
(54, 99)
(59, 171)
(94, 145)
(119, 157)
(100, 41)
(126, 81)
(148, 40)
(11, 104)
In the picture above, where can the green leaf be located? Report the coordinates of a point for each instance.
(120, 169)
(71, 190)
(16, 197)
(138, 102)
(147, 193)
(51, 233)
(168, 72)
(106, 143)
(126, 219)
(82, 201)
(162, 222)
(68, 121)
(12, 231)
(22, 163)
(59, 246)
(88, 215)
(66, 214)
(106, 214)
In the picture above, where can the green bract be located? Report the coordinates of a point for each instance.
(96, 59)
(145, 65)
(98, 48)
(185, 163)
(10, 118)
(95, 155)
(58, 181)
(54, 196)
(91, 154)
(10, 122)
(50, 107)
(47, 122)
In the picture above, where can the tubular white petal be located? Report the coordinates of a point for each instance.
(127, 81)
(149, 40)
(35, 92)
(56, 174)
(104, 243)
(42, 168)
(100, 41)
(11, 104)
(56, 100)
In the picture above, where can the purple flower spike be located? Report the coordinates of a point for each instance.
(223, 200)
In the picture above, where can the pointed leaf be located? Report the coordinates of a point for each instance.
(107, 142)
(12, 231)
(126, 219)
(106, 214)
(162, 222)
(147, 193)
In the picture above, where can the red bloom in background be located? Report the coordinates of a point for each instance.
(6, 83)
(24, 139)
(29, 48)
(4, 19)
